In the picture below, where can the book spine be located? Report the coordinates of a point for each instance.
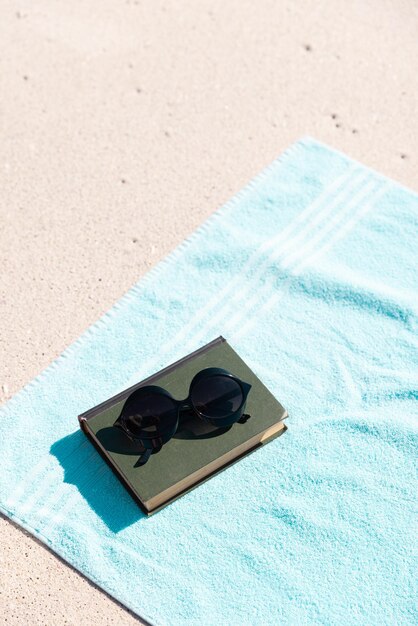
(106, 457)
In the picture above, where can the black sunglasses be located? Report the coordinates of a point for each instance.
(151, 415)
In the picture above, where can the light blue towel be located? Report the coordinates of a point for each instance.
(310, 274)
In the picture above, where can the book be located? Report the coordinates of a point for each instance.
(198, 450)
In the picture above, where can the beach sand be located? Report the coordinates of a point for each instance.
(123, 126)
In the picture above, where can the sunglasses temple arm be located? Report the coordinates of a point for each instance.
(143, 458)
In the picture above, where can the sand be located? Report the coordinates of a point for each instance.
(124, 124)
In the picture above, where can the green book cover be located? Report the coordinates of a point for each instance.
(198, 450)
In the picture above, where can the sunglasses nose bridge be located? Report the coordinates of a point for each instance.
(184, 405)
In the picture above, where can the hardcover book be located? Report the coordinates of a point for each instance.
(198, 450)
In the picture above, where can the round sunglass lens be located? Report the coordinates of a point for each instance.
(151, 415)
(217, 396)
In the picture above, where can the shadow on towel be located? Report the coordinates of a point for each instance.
(84, 468)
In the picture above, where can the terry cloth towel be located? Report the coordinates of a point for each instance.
(309, 273)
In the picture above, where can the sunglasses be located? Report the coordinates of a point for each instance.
(150, 415)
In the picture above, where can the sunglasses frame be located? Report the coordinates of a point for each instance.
(154, 445)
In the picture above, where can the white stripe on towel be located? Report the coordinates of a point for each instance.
(347, 181)
(350, 224)
(243, 303)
